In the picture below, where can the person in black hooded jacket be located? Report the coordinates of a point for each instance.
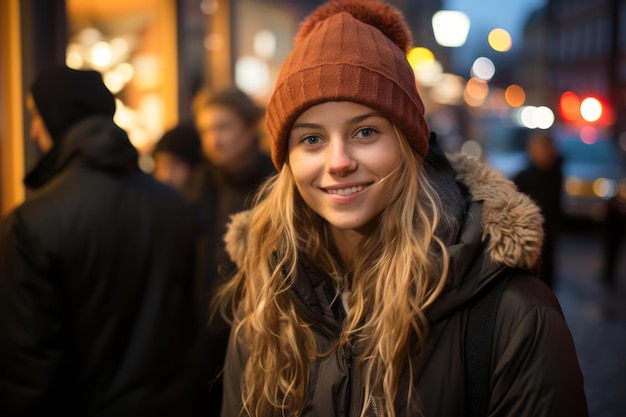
(96, 269)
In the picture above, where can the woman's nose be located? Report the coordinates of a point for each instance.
(340, 160)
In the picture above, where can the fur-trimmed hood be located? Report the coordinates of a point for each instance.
(501, 228)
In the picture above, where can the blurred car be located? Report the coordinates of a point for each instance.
(505, 147)
(594, 173)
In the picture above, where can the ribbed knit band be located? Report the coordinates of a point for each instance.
(345, 59)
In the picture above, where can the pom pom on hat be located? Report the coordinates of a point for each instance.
(64, 96)
(349, 50)
(382, 16)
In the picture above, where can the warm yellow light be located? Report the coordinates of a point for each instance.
(604, 188)
(500, 40)
(420, 55)
(574, 186)
(426, 68)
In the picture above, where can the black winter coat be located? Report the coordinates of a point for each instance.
(534, 369)
(96, 281)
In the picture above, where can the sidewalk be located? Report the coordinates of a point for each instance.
(597, 320)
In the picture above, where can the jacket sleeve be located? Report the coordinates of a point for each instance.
(536, 371)
(30, 325)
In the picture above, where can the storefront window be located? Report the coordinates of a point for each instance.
(133, 45)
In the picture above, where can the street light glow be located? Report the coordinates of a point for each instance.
(532, 117)
(450, 27)
(591, 109)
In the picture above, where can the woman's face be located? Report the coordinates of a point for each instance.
(342, 156)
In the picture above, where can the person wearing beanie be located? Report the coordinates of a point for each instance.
(176, 155)
(96, 269)
(364, 256)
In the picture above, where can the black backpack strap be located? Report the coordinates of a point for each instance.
(478, 346)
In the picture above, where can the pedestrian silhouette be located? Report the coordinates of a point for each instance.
(542, 180)
(177, 154)
(234, 166)
(96, 269)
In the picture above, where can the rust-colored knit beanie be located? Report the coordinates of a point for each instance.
(349, 50)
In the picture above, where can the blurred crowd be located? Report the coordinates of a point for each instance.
(107, 271)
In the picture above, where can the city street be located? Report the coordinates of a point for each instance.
(597, 319)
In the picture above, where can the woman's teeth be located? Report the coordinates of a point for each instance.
(346, 191)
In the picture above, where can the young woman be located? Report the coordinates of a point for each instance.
(362, 256)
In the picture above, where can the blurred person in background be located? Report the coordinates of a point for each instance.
(96, 269)
(176, 155)
(542, 180)
(228, 122)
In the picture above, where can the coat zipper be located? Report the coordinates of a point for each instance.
(329, 328)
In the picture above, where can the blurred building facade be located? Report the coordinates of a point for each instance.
(579, 46)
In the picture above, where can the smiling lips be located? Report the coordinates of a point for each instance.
(347, 190)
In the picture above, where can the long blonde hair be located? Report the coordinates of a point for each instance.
(400, 271)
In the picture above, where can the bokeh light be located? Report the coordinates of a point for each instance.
(450, 27)
(477, 88)
(591, 109)
(449, 90)
(589, 135)
(426, 68)
(483, 68)
(472, 148)
(100, 56)
(605, 188)
(419, 56)
(265, 44)
(514, 95)
(252, 75)
(500, 40)
(533, 117)
(569, 106)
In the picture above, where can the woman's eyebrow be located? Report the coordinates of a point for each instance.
(305, 125)
(365, 116)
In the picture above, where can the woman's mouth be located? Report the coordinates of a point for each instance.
(347, 190)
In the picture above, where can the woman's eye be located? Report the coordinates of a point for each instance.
(311, 140)
(365, 132)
